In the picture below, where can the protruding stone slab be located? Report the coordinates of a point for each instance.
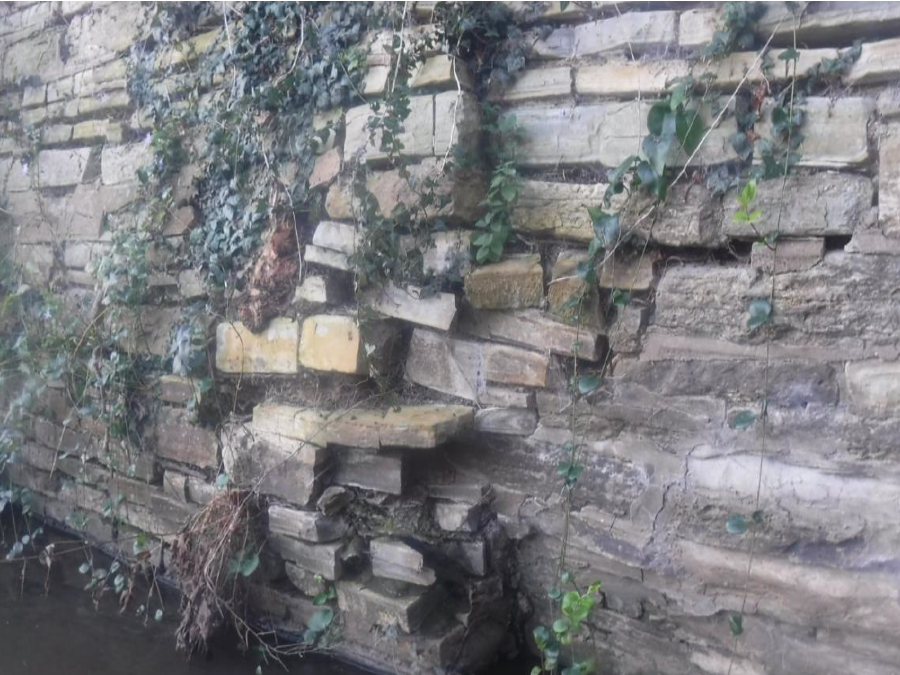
(531, 328)
(274, 351)
(321, 559)
(395, 560)
(425, 426)
(338, 237)
(382, 604)
(513, 283)
(441, 71)
(301, 424)
(889, 180)
(382, 472)
(411, 305)
(327, 258)
(306, 525)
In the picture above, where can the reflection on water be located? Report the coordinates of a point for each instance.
(62, 634)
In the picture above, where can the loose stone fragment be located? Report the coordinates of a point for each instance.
(382, 472)
(306, 525)
(408, 304)
(454, 517)
(400, 562)
(321, 559)
(334, 499)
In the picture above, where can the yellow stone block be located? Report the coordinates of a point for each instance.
(332, 343)
(272, 351)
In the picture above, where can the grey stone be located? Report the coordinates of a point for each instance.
(395, 560)
(321, 559)
(382, 605)
(382, 472)
(333, 500)
(176, 438)
(820, 205)
(456, 517)
(509, 421)
(306, 525)
(409, 304)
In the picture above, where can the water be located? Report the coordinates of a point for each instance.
(62, 634)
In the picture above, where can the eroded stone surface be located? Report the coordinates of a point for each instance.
(513, 283)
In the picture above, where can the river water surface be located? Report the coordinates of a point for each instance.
(62, 634)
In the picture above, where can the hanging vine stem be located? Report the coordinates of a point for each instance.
(768, 339)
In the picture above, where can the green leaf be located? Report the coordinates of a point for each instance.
(594, 588)
(690, 130)
(621, 298)
(248, 565)
(606, 227)
(760, 310)
(736, 624)
(561, 625)
(321, 619)
(510, 192)
(541, 637)
(656, 117)
(743, 420)
(588, 383)
(789, 54)
(748, 194)
(736, 524)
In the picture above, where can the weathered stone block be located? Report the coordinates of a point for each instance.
(568, 294)
(835, 132)
(535, 85)
(407, 304)
(513, 283)
(423, 426)
(457, 367)
(120, 163)
(290, 470)
(558, 210)
(629, 78)
(179, 440)
(889, 180)
(820, 205)
(511, 365)
(273, 351)
(448, 253)
(874, 387)
(417, 136)
(629, 272)
(300, 424)
(793, 255)
(455, 517)
(306, 525)
(176, 389)
(632, 32)
(338, 237)
(321, 559)
(326, 168)
(507, 421)
(704, 302)
(458, 193)
(381, 472)
(395, 560)
(65, 168)
(441, 71)
(318, 290)
(878, 62)
(381, 605)
(334, 343)
(326, 258)
(603, 133)
(625, 332)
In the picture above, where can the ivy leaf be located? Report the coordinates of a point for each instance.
(743, 420)
(606, 227)
(736, 624)
(656, 117)
(690, 130)
(248, 565)
(760, 311)
(789, 54)
(541, 637)
(561, 625)
(588, 383)
(509, 191)
(621, 298)
(321, 619)
(736, 524)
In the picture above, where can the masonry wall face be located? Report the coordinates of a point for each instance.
(463, 473)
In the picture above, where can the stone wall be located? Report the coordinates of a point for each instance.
(439, 521)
